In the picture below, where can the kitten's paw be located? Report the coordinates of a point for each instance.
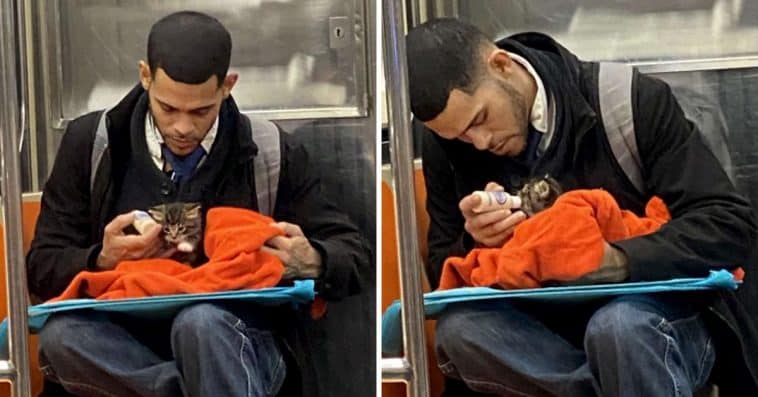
(185, 247)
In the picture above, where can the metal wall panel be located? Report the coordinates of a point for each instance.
(626, 30)
(299, 56)
(297, 59)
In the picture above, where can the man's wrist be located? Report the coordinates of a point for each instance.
(103, 261)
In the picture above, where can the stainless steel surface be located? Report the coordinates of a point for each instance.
(31, 106)
(86, 54)
(340, 30)
(694, 65)
(395, 370)
(281, 114)
(47, 48)
(409, 261)
(7, 371)
(625, 30)
(280, 49)
(415, 12)
(24, 89)
(10, 186)
(36, 196)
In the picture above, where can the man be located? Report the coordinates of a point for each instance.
(179, 137)
(524, 107)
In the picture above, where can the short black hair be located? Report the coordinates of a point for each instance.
(443, 54)
(190, 47)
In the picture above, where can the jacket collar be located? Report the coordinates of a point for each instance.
(562, 75)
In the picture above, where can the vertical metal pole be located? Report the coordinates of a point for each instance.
(412, 315)
(11, 199)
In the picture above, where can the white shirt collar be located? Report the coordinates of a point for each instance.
(155, 139)
(539, 114)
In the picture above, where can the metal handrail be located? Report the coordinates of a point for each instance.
(16, 369)
(412, 368)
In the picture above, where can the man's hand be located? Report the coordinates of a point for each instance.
(300, 259)
(613, 269)
(118, 247)
(492, 228)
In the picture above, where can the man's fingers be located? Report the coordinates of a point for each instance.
(513, 220)
(494, 234)
(151, 251)
(280, 243)
(494, 241)
(117, 225)
(494, 187)
(282, 255)
(153, 232)
(485, 219)
(289, 229)
(136, 242)
(167, 253)
(468, 203)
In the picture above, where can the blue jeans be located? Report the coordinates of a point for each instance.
(206, 350)
(637, 345)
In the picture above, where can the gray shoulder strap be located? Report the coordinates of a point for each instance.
(615, 96)
(267, 163)
(98, 148)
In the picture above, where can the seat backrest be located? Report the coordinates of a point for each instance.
(30, 212)
(391, 274)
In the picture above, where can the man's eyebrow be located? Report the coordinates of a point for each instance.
(162, 103)
(471, 121)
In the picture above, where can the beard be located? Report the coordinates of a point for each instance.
(519, 110)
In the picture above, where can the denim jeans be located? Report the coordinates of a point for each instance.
(205, 350)
(636, 345)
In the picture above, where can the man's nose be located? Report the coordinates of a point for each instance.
(479, 138)
(183, 125)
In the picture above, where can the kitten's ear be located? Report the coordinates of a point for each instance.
(192, 210)
(157, 212)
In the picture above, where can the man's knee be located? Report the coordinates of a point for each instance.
(463, 329)
(64, 333)
(200, 321)
(618, 323)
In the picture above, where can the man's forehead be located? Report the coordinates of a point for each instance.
(460, 109)
(181, 95)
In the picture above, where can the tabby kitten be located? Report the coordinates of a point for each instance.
(182, 228)
(539, 194)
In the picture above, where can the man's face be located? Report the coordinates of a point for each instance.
(183, 113)
(493, 118)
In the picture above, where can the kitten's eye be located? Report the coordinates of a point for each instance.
(182, 229)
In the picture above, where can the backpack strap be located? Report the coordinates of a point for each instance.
(267, 163)
(99, 146)
(615, 97)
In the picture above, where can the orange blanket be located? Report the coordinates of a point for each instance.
(561, 243)
(233, 239)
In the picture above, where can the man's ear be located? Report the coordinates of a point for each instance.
(499, 62)
(145, 76)
(229, 82)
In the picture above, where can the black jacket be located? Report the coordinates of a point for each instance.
(69, 230)
(713, 226)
